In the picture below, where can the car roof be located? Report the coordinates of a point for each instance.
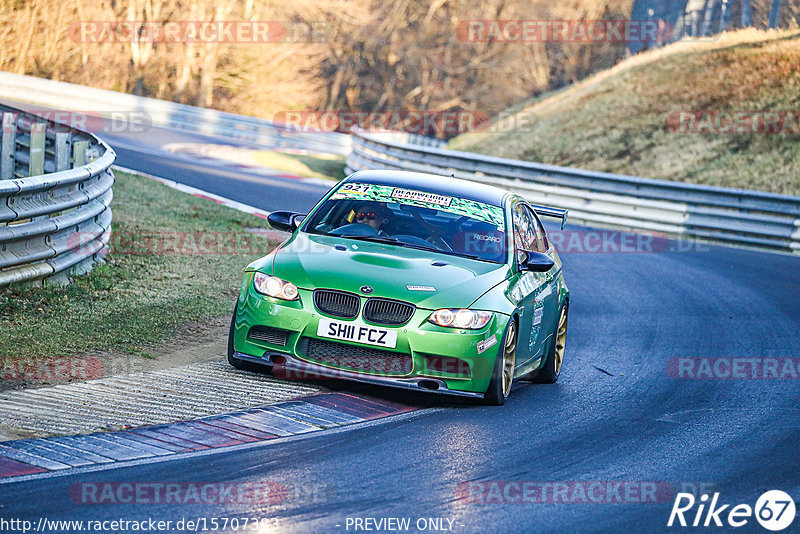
(433, 183)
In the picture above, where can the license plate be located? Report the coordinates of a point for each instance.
(358, 333)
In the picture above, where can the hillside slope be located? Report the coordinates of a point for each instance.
(627, 119)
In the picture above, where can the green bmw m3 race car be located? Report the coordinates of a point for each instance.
(408, 280)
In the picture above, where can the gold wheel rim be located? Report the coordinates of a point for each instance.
(561, 340)
(509, 355)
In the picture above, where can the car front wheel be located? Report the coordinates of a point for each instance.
(234, 361)
(503, 374)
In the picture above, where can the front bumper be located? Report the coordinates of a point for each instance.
(298, 369)
(436, 359)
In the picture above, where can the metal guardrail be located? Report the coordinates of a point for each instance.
(698, 19)
(55, 219)
(54, 95)
(732, 216)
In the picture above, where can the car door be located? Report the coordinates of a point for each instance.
(545, 312)
(526, 286)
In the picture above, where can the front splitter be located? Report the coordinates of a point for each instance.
(302, 368)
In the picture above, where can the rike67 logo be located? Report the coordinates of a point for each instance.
(774, 510)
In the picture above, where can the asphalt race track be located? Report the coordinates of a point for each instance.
(617, 414)
(231, 181)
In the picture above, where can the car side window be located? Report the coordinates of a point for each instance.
(524, 229)
(541, 237)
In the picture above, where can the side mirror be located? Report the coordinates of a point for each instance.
(285, 221)
(536, 262)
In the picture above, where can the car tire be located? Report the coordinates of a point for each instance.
(234, 361)
(503, 373)
(242, 365)
(551, 370)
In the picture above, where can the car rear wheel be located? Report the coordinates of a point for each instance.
(503, 374)
(555, 358)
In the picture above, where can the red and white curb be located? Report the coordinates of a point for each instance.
(300, 416)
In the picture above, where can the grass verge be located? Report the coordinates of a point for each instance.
(175, 259)
(328, 166)
(617, 120)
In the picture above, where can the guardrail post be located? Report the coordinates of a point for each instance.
(709, 11)
(79, 153)
(62, 146)
(685, 24)
(724, 16)
(8, 139)
(36, 149)
(774, 14)
(745, 22)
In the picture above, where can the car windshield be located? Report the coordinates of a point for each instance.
(413, 219)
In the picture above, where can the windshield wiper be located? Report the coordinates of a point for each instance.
(373, 238)
(442, 251)
(422, 247)
(469, 256)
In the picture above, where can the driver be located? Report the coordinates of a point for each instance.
(374, 214)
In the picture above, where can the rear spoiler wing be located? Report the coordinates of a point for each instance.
(555, 213)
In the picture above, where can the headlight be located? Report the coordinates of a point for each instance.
(275, 287)
(460, 318)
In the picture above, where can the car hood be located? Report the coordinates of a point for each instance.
(426, 279)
